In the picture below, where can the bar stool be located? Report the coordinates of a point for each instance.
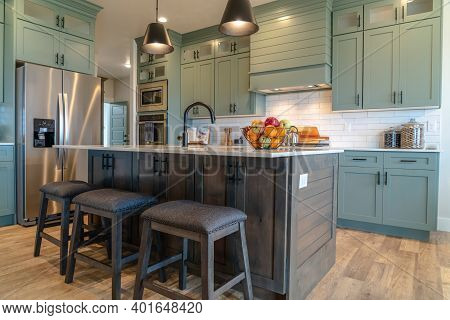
(63, 193)
(115, 205)
(197, 222)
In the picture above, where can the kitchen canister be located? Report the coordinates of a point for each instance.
(392, 138)
(413, 135)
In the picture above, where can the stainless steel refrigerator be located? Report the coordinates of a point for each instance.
(53, 107)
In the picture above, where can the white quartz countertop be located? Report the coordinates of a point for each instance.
(394, 150)
(233, 151)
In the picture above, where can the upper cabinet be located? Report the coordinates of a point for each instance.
(51, 14)
(348, 20)
(145, 58)
(2, 11)
(381, 14)
(232, 45)
(56, 34)
(154, 72)
(420, 9)
(198, 52)
(2, 42)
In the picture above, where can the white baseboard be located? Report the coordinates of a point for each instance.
(444, 224)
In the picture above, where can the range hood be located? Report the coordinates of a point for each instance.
(292, 50)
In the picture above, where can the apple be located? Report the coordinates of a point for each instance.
(272, 121)
(265, 142)
(257, 125)
(285, 124)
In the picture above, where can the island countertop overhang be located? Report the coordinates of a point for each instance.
(233, 151)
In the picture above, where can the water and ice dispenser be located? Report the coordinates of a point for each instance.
(44, 133)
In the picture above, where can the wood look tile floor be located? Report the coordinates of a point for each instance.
(368, 266)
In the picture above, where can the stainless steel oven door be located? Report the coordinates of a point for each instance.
(152, 97)
(152, 129)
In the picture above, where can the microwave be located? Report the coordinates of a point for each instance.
(152, 96)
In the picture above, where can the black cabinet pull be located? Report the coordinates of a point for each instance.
(106, 163)
(401, 97)
(385, 178)
(62, 59)
(57, 58)
(164, 167)
(231, 108)
(231, 172)
(234, 47)
(63, 22)
(359, 21)
(198, 54)
(403, 13)
(379, 178)
(395, 97)
(357, 100)
(57, 20)
(155, 161)
(396, 14)
(234, 108)
(359, 159)
(408, 161)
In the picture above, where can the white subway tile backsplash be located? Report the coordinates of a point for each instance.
(345, 129)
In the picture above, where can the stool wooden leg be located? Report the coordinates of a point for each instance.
(64, 237)
(116, 248)
(207, 267)
(183, 267)
(144, 259)
(40, 224)
(159, 249)
(243, 255)
(74, 243)
(106, 225)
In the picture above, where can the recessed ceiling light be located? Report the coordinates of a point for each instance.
(127, 65)
(162, 19)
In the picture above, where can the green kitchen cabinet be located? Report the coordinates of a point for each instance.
(419, 10)
(41, 12)
(154, 72)
(348, 71)
(232, 96)
(2, 11)
(7, 185)
(37, 44)
(2, 46)
(360, 194)
(231, 45)
(77, 24)
(381, 14)
(197, 85)
(198, 52)
(76, 54)
(381, 62)
(420, 63)
(348, 20)
(145, 58)
(410, 199)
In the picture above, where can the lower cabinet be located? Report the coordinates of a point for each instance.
(2, 44)
(111, 170)
(400, 192)
(7, 185)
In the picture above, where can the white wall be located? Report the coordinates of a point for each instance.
(444, 178)
(122, 89)
(108, 87)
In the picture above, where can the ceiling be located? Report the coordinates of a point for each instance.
(122, 21)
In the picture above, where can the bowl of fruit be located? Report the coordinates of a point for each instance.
(267, 135)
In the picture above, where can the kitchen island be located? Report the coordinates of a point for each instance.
(289, 197)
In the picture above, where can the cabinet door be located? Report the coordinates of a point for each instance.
(77, 54)
(188, 86)
(224, 93)
(347, 71)
(381, 14)
(242, 100)
(205, 50)
(39, 12)
(2, 43)
(410, 199)
(420, 65)
(77, 24)
(360, 194)
(2, 11)
(7, 190)
(241, 45)
(149, 175)
(111, 170)
(381, 55)
(159, 71)
(348, 20)
(100, 172)
(37, 44)
(224, 47)
(420, 9)
(260, 192)
(188, 54)
(204, 86)
(144, 58)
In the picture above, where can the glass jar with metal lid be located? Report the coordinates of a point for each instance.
(392, 138)
(413, 135)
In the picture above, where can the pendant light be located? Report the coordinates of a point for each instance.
(238, 19)
(157, 40)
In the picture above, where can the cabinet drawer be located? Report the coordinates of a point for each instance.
(6, 153)
(409, 160)
(361, 159)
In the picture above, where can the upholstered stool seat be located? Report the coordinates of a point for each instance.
(194, 216)
(197, 222)
(66, 189)
(63, 193)
(113, 205)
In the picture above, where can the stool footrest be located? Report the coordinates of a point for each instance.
(164, 263)
(93, 262)
(50, 238)
(151, 285)
(230, 284)
(129, 259)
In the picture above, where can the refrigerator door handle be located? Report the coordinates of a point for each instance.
(66, 114)
(60, 131)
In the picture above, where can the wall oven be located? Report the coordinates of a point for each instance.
(152, 96)
(152, 129)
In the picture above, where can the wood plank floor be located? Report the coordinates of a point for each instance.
(368, 266)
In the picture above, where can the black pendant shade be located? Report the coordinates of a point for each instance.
(157, 40)
(238, 19)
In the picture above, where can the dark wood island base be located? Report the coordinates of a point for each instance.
(290, 202)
